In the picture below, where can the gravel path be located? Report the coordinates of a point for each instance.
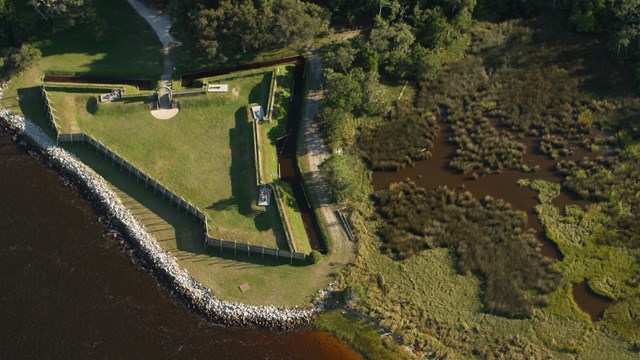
(161, 24)
(316, 152)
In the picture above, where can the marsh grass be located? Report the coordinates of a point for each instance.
(424, 298)
(488, 237)
(361, 335)
(406, 137)
(607, 268)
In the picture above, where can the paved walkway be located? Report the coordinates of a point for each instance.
(161, 24)
(316, 152)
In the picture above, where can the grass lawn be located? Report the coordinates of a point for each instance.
(294, 219)
(203, 154)
(210, 135)
(271, 282)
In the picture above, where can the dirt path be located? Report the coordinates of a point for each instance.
(314, 153)
(160, 23)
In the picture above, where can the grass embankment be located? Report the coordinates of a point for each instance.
(270, 132)
(294, 218)
(70, 103)
(272, 282)
(361, 335)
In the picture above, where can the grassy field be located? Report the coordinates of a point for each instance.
(272, 283)
(203, 154)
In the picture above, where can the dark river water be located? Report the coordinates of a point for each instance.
(67, 290)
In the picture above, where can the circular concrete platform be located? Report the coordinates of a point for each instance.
(164, 114)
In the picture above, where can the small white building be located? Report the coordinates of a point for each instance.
(115, 94)
(217, 88)
(264, 195)
(257, 112)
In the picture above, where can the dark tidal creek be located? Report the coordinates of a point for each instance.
(68, 290)
(436, 171)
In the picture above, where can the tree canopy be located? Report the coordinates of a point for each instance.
(240, 27)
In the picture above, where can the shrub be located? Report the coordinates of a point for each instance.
(315, 257)
(19, 59)
(349, 180)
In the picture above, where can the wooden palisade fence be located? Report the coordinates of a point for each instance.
(167, 193)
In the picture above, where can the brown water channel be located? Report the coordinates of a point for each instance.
(436, 171)
(590, 302)
(68, 290)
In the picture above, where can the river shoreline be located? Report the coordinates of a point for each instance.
(147, 251)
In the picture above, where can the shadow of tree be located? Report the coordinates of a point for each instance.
(223, 204)
(92, 106)
(242, 170)
(140, 55)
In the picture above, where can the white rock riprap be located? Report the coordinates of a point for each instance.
(164, 264)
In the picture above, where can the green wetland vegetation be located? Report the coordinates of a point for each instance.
(460, 276)
(487, 237)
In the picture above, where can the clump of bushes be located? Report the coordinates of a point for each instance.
(555, 145)
(488, 237)
(406, 137)
(349, 180)
(352, 98)
(482, 149)
(16, 60)
(315, 257)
